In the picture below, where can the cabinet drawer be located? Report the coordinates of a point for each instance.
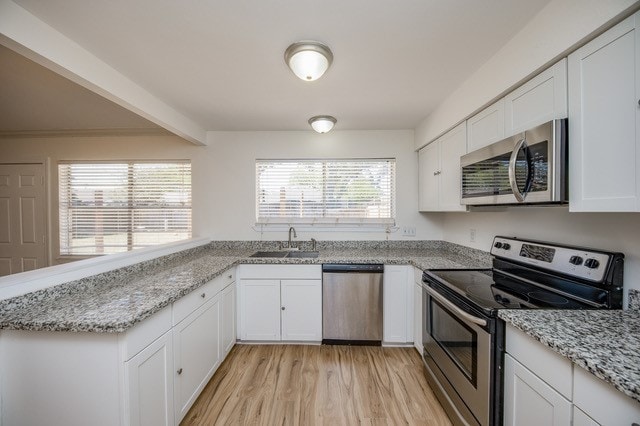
(550, 366)
(280, 272)
(602, 402)
(198, 297)
(143, 334)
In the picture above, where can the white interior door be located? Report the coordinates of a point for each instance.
(22, 218)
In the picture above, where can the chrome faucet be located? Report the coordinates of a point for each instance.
(313, 244)
(294, 235)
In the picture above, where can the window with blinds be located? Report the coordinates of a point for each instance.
(111, 207)
(325, 191)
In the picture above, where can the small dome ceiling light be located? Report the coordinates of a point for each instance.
(308, 59)
(322, 123)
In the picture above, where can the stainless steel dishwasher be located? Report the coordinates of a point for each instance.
(352, 304)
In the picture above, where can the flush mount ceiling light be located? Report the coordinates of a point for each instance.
(308, 59)
(322, 123)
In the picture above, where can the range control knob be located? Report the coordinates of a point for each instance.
(591, 263)
(498, 245)
(575, 260)
(506, 246)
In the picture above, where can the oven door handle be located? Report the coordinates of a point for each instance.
(440, 298)
(512, 170)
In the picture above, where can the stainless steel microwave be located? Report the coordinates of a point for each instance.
(527, 168)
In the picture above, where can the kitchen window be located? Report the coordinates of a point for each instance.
(111, 207)
(351, 191)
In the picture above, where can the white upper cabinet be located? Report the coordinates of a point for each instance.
(604, 121)
(428, 182)
(541, 99)
(439, 171)
(486, 127)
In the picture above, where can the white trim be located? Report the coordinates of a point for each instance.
(26, 282)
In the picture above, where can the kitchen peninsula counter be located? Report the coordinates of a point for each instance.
(115, 301)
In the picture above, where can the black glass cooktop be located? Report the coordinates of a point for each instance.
(491, 291)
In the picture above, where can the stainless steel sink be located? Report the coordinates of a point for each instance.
(269, 254)
(303, 254)
(292, 254)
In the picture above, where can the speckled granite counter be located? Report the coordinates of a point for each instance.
(606, 343)
(115, 301)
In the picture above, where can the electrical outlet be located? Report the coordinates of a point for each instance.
(408, 231)
(472, 235)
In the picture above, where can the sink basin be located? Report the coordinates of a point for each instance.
(269, 254)
(303, 254)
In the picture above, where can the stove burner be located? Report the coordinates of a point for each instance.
(551, 298)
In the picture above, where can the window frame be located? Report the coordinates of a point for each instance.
(328, 221)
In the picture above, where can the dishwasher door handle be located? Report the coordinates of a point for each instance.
(440, 298)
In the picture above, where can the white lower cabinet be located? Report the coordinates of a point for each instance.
(148, 375)
(529, 401)
(197, 353)
(149, 379)
(541, 387)
(397, 304)
(260, 309)
(581, 419)
(280, 302)
(228, 318)
(417, 310)
(301, 310)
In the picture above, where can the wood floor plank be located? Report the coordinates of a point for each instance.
(318, 385)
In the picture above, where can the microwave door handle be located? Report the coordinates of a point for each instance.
(512, 170)
(481, 322)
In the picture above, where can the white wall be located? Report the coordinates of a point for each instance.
(607, 231)
(546, 38)
(224, 178)
(232, 155)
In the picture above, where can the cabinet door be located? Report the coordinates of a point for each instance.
(260, 310)
(149, 379)
(604, 117)
(486, 127)
(453, 145)
(196, 342)
(428, 168)
(541, 99)
(228, 318)
(417, 317)
(529, 401)
(581, 419)
(394, 312)
(301, 310)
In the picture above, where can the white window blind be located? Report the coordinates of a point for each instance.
(325, 191)
(111, 207)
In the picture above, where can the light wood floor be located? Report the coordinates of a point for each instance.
(318, 385)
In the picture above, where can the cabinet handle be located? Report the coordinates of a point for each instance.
(203, 295)
(230, 276)
(435, 173)
(180, 371)
(282, 308)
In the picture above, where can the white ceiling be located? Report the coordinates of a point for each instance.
(35, 99)
(221, 62)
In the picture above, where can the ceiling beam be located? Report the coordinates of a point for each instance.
(26, 34)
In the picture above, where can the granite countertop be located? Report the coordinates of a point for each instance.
(117, 300)
(605, 343)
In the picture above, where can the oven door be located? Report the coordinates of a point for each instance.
(457, 351)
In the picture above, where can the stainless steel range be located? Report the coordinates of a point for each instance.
(462, 335)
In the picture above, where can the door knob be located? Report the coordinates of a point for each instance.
(282, 308)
